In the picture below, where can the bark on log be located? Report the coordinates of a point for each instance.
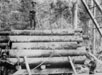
(50, 60)
(27, 65)
(46, 45)
(43, 38)
(46, 53)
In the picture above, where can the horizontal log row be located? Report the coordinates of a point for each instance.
(46, 53)
(46, 45)
(38, 32)
(44, 38)
(49, 60)
(45, 71)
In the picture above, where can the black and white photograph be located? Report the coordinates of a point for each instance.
(50, 37)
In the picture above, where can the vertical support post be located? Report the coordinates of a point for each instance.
(75, 19)
(27, 66)
(94, 30)
(72, 65)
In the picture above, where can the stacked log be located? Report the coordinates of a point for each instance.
(46, 46)
(46, 38)
(40, 32)
(49, 60)
(46, 53)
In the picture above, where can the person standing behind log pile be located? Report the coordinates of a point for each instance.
(32, 15)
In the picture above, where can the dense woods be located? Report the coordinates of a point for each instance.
(14, 14)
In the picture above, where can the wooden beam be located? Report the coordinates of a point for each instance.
(92, 17)
(94, 30)
(46, 53)
(27, 65)
(98, 5)
(44, 38)
(46, 71)
(46, 45)
(50, 60)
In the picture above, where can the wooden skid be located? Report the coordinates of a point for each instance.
(45, 71)
(46, 45)
(27, 65)
(44, 38)
(49, 60)
(46, 53)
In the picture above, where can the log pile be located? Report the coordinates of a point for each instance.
(50, 47)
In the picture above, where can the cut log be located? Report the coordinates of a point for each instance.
(46, 71)
(40, 32)
(46, 53)
(46, 45)
(50, 60)
(45, 38)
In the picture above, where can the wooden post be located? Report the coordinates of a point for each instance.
(93, 10)
(94, 31)
(75, 19)
(70, 60)
(27, 66)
